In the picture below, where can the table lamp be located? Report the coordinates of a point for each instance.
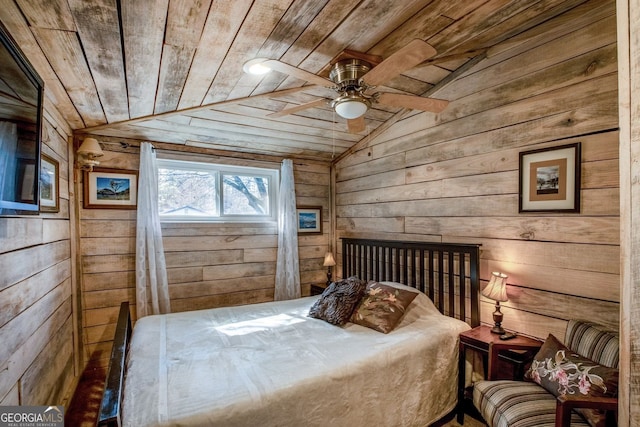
(329, 262)
(496, 290)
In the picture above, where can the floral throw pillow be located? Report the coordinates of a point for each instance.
(338, 300)
(561, 371)
(382, 307)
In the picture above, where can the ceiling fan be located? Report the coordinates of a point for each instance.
(354, 76)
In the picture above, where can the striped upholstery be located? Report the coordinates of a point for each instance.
(517, 404)
(526, 404)
(594, 342)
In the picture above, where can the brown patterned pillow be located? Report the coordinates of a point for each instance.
(561, 371)
(338, 300)
(382, 307)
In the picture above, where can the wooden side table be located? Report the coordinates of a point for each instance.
(317, 288)
(516, 352)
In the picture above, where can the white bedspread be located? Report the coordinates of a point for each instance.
(271, 365)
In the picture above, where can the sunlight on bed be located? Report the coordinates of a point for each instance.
(258, 325)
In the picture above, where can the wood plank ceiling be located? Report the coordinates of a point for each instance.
(171, 70)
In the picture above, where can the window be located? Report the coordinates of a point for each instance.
(191, 191)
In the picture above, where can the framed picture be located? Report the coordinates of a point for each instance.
(110, 189)
(309, 219)
(49, 184)
(550, 179)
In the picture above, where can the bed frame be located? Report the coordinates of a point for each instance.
(109, 415)
(447, 273)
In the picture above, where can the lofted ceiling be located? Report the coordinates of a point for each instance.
(171, 70)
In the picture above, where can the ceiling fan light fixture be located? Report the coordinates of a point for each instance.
(256, 67)
(350, 105)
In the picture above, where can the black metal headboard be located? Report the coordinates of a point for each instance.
(448, 273)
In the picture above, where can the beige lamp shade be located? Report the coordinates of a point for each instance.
(329, 261)
(497, 288)
(90, 148)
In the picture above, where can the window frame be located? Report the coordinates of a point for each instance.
(271, 174)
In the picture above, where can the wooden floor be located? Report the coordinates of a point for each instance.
(84, 406)
(468, 422)
(83, 409)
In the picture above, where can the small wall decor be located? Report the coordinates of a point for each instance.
(550, 179)
(49, 184)
(309, 219)
(110, 189)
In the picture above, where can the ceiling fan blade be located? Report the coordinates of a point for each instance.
(297, 72)
(413, 102)
(403, 59)
(356, 125)
(293, 110)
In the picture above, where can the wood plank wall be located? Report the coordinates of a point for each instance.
(454, 177)
(38, 355)
(208, 265)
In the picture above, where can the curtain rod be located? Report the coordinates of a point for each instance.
(164, 149)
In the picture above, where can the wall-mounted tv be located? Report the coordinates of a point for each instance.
(21, 92)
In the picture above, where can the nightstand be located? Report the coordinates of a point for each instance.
(318, 288)
(502, 359)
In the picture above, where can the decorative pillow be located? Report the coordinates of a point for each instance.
(382, 307)
(561, 371)
(338, 300)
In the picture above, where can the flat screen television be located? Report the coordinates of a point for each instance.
(21, 91)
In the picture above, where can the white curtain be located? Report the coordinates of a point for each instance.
(152, 289)
(287, 268)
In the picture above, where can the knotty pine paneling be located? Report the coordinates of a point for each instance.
(52, 373)
(38, 352)
(453, 177)
(208, 265)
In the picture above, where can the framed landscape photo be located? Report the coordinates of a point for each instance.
(550, 179)
(110, 189)
(309, 219)
(49, 184)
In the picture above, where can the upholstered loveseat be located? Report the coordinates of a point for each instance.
(574, 385)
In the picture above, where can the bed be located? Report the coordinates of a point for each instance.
(271, 364)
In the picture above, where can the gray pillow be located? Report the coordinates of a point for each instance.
(337, 302)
